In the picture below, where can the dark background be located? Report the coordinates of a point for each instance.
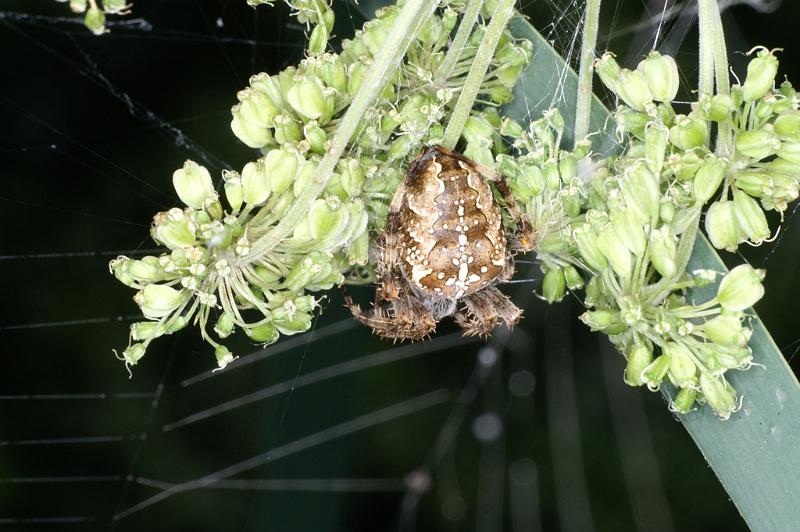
(535, 431)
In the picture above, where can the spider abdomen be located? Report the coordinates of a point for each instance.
(452, 241)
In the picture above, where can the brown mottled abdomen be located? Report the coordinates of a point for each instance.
(453, 241)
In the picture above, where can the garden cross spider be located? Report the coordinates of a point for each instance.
(444, 250)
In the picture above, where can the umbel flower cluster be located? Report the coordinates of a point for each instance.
(622, 228)
(217, 271)
(617, 230)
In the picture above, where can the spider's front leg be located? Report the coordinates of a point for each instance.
(485, 310)
(402, 319)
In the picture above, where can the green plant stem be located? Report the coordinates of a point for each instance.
(384, 66)
(705, 82)
(583, 106)
(458, 45)
(500, 17)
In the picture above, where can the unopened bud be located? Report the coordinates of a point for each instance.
(553, 285)
(761, 73)
(682, 369)
(661, 73)
(662, 251)
(158, 300)
(758, 143)
(688, 132)
(255, 182)
(280, 166)
(719, 395)
(721, 226)
(708, 178)
(639, 357)
(750, 217)
(193, 184)
(306, 97)
(741, 288)
(684, 400)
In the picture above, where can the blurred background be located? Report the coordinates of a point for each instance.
(333, 430)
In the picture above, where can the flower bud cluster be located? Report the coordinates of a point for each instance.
(764, 173)
(619, 229)
(211, 274)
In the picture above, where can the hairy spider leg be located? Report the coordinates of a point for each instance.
(405, 319)
(485, 310)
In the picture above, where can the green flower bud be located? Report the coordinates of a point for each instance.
(499, 95)
(315, 136)
(257, 108)
(609, 71)
(264, 334)
(333, 73)
(605, 321)
(95, 20)
(146, 330)
(684, 401)
(224, 325)
(318, 40)
(758, 143)
(661, 73)
(357, 73)
(173, 229)
(640, 190)
(615, 251)
(193, 184)
(255, 185)
(281, 168)
(553, 285)
(688, 132)
(790, 151)
(682, 369)
(718, 107)
(755, 183)
(478, 131)
(358, 250)
(572, 277)
(479, 154)
(116, 7)
(726, 329)
(654, 374)
(233, 189)
(655, 139)
(78, 6)
(787, 126)
(586, 240)
(663, 250)
(287, 129)
(719, 395)
(158, 300)
(306, 98)
(352, 176)
(146, 270)
(630, 231)
(327, 222)
(721, 226)
(639, 358)
(751, 219)
(224, 356)
(134, 353)
(760, 76)
(741, 288)
(634, 89)
(251, 134)
(708, 178)
(631, 121)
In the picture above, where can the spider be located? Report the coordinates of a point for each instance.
(444, 250)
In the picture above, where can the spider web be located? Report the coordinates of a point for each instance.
(330, 430)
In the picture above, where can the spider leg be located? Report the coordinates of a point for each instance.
(524, 240)
(485, 310)
(401, 319)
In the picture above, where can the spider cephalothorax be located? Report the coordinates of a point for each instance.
(443, 251)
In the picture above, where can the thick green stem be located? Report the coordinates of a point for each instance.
(458, 45)
(382, 69)
(583, 106)
(714, 64)
(500, 17)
